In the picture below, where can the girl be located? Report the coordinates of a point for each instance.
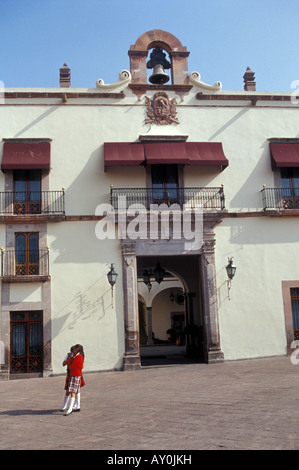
(75, 364)
(67, 380)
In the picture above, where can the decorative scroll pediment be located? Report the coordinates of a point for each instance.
(124, 79)
(194, 78)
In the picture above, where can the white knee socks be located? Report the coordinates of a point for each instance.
(70, 409)
(77, 402)
(66, 399)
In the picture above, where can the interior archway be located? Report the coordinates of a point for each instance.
(170, 312)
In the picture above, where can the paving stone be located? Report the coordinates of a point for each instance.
(241, 405)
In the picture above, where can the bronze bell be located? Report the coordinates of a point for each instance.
(159, 76)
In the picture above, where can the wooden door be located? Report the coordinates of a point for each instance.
(26, 342)
(27, 254)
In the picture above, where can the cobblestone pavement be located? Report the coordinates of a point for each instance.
(248, 405)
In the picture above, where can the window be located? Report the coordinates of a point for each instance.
(27, 254)
(290, 187)
(26, 342)
(27, 191)
(165, 184)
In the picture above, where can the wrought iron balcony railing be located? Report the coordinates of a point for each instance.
(280, 198)
(206, 198)
(20, 263)
(33, 202)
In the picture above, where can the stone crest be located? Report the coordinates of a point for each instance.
(161, 110)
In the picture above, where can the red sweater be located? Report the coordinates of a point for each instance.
(75, 365)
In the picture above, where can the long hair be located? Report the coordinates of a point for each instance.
(80, 347)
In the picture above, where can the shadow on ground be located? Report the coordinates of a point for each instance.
(165, 354)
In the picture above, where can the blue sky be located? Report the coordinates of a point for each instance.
(93, 37)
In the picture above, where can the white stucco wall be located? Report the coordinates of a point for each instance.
(78, 134)
(82, 310)
(252, 321)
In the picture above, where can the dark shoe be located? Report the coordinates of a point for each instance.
(78, 409)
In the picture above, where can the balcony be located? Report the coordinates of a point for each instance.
(35, 203)
(209, 199)
(280, 198)
(24, 265)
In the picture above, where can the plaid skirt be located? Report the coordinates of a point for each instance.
(67, 382)
(74, 384)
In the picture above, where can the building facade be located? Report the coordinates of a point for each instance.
(166, 177)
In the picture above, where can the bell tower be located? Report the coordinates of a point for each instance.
(159, 41)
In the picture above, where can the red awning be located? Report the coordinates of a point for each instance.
(206, 154)
(284, 154)
(166, 153)
(185, 153)
(26, 156)
(123, 153)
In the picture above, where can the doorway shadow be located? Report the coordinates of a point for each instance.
(165, 354)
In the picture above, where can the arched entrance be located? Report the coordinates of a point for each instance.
(170, 317)
(198, 272)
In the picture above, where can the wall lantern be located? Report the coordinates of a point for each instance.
(171, 297)
(231, 271)
(146, 276)
(159, 273)
(112, 276)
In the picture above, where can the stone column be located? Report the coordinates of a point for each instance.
(5, 331)
(47, 325)
(149, 326)
(138, 66)
(189, 310)
(132, 349)
(210, 313)
(179, 67)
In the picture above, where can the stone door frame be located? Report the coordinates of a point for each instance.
(133, 248)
